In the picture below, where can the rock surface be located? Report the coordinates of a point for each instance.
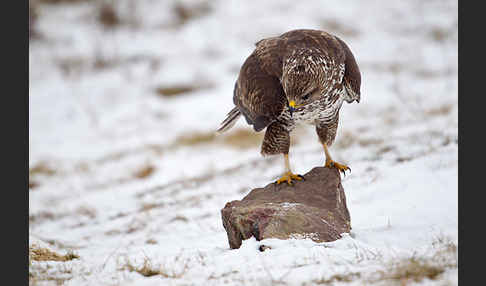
(314, 208)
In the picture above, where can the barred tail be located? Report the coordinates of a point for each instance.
(230, 120)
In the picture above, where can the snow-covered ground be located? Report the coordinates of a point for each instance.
(132, 181)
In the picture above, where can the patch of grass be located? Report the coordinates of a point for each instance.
(118, 215)
(347, 277)
(186, 12)
(135, 225)
(226, 274)
(43, 216)
(112, 232)
(195, 138)
(39, 276)
(440, 34)
(33, 184)
(179, 218)
(147, 269)
(151, 241)
(404, 270)
(439, 110)
(119, 155)
(385, 149)
(144, 172)
(42, 168)
(37, 253)
(86, 211)
(403, 159)
(98, 62)
(148, 206)
(108, 16)
(445, 248)
(239, 139)
(417, 269)
(175, 90)
(365, 142)
(412, 269)
(102, 62)
(243, 139)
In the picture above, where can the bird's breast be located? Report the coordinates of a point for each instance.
(308, 114)
(323, 111)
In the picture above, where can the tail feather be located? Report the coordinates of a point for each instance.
(230, 120)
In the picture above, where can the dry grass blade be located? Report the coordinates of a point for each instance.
(108, 16)
(147, 269)
(42, 168)
(37, 253)
(144, 172)
(175, 90)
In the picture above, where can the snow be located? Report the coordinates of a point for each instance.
(97, 126)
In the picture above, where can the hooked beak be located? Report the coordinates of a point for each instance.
(291, 107)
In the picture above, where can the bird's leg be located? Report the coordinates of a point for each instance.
(330, 163)
(288, 175)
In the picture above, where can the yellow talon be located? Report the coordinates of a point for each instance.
(332, 164)
(287, 177)
(340, 167)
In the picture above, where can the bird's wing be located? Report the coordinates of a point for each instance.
(352, 75)
(258, 93)
(270, 52)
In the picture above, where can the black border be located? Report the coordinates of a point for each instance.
(15, 126)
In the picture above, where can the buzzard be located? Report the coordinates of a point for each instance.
(301, 76)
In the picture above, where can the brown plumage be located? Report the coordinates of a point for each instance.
(299, 76)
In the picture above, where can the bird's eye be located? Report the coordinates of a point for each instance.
(305, 97)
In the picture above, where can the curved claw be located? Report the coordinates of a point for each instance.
(288, 177)
(341, 167)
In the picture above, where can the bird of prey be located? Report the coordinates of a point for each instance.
(301, 76)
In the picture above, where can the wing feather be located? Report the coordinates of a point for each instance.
(352, 75)
(258, 94)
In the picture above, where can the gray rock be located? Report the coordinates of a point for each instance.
(314, 208)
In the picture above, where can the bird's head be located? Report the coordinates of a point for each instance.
(302, 80)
